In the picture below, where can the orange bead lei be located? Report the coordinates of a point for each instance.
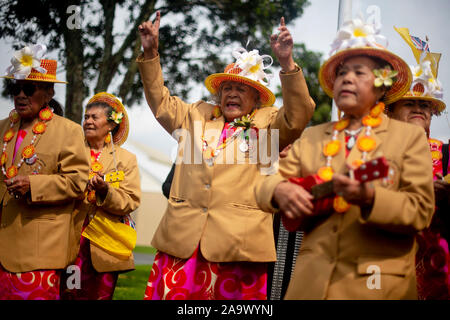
(364, 143)
(29, 151)
(96, 167)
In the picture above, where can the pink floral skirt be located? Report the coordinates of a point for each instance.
(94, 285)
(432, 266)
(32, 285)
(196, 278)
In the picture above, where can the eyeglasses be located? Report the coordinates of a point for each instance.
(28, 88)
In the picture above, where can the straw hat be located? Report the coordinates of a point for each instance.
(248, 69)
(27, 64)
(356, 38)
(121, 115)
(426, 87)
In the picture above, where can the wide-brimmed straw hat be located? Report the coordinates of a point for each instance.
(121, 134)
(426, 87)
(28, 64)
(248, 69)
(356, 38)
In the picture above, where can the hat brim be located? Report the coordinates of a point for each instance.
(214, 81)
(121, 134)
(37, 80)
(327, 72)
(437, 105)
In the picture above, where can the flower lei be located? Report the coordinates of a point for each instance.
(96, 167)
(238, 124)
(29, 152)
(365, 144)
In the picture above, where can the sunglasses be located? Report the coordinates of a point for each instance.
(28, 88)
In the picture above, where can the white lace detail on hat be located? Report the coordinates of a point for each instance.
(252, 65)
(26, 59)
(357, 33)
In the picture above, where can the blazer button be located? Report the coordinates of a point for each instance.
(207, 186)
(205, 210)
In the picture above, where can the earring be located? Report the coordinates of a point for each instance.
(108, 137)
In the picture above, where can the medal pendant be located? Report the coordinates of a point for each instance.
(243, 146)
(31, 160)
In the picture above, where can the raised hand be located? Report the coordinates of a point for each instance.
(282, 45)
(149, 33)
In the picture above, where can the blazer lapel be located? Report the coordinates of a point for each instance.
(212, 131)
(11, 145)
(107, 159)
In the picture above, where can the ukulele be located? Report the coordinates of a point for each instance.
(322, 191)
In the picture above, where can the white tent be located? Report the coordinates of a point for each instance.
(154, 167)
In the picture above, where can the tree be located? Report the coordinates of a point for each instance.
(310, 62)
(99, 57)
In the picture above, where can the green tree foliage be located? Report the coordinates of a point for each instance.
(100, 56)
(310, 62)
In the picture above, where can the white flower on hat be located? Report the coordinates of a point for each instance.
(252, 65)
(26, 59)
(357, 33)
(116, 117)
(423, 74)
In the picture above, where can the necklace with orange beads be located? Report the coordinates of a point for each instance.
(28, 153)
(96, 167)
(365, 144)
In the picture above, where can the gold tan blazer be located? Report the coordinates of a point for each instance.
(117, 203)
(212, 205)
(37, 231)
(342, 252)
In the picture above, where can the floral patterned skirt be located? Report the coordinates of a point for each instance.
(93, 285)
(32, 285)
(196, 278)
(432, 266)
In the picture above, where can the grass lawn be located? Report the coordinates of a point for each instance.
(131, 285)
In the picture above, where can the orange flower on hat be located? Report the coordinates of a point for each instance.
(8, 135)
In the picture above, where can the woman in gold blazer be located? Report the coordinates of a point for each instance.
(212, 220)
(103, 218)
(44, 170)
(363, 245)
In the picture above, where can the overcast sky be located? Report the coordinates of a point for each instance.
(317, 29)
